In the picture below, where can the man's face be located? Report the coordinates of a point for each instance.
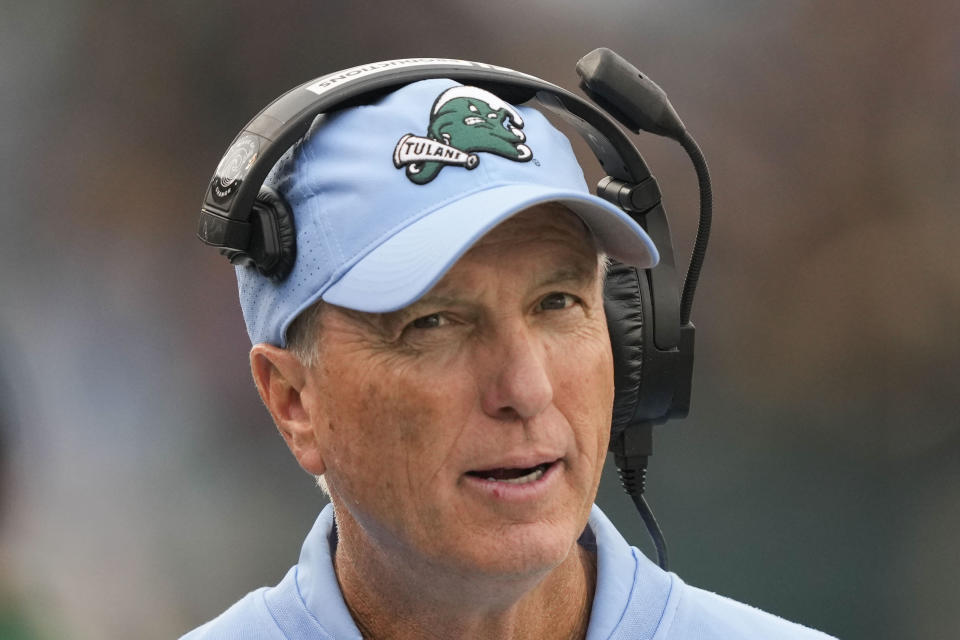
(469, 429)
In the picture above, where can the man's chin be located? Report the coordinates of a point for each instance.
(519, 550)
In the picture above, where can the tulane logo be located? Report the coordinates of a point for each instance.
(463, 121)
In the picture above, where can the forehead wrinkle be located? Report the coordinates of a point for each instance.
(551, 222)
(574, 261)
(578, 274)
(580, 271)
(538, 224)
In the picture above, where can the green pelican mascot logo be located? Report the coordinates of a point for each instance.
(463, 121)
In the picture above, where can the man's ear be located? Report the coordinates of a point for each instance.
(281, 380)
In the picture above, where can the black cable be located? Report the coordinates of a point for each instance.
(653, 528)
(633, 477)
(703, 228)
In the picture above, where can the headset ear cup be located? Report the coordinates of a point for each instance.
(278, 233)
(623, 305)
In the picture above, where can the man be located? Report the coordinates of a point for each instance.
(439, 356)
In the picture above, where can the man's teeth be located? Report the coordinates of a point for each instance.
(534, 475)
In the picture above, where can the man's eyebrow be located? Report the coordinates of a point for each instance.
(441, 299)
(432, 300)
(388, 321)
(579, 273)
(576, 273)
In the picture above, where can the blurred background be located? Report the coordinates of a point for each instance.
(818, 477)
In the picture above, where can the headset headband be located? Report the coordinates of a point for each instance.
(228, 202)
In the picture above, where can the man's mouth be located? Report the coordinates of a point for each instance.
(513, 475)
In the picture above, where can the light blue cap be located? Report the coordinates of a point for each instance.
(386, 197)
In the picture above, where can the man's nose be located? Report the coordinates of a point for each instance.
(516, 385)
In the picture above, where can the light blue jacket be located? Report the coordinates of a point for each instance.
(634, 599)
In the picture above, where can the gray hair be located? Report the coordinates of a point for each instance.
(303, 334)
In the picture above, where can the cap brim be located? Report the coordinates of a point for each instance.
(407, 265)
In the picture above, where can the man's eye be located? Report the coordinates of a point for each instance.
(555, 301)
(431, 321)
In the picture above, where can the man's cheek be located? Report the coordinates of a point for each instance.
(409, 424)
(586, 372)
(425, 421)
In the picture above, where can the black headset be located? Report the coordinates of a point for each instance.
(647, 316)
